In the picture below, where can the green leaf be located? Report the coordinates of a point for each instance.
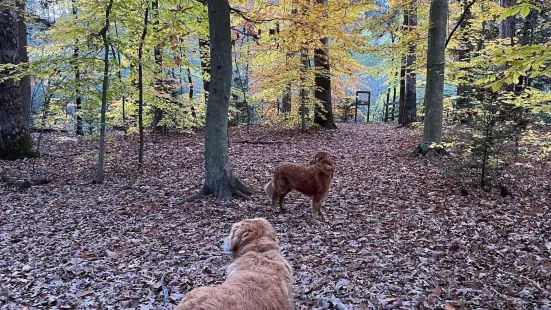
(524, 11)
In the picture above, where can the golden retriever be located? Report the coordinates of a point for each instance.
(258, 278)
(312, 180)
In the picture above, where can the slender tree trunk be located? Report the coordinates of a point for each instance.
(434, 91)
(157, 53)
(304, 69)
(78, 97)
(219, 179)
(105, 36)
(410, 97)
(190, 82)
(402, 90)
(463, 54)
(15, 141)
(204, 51)
(140, 86)
(394, 99)
(507, 32)
(286, 99)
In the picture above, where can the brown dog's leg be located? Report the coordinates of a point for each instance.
(316, 207)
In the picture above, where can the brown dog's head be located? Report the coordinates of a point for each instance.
(250, 235)
(322, 155)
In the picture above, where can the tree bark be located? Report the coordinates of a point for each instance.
(15, 140)
(204, 52)
(104, 34)
(409, 112)
(402, 96)
(286, 99)
(323, 115)
(158, 55)
(78, 97)
(219, 179)
(434, 91)
(140, 86)
(507, 26)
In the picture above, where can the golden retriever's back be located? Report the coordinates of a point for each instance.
(259, 278)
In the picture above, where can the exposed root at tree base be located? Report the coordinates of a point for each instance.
(223, 193)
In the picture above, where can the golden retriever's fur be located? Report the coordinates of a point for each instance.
(312, 180)
(259, 278)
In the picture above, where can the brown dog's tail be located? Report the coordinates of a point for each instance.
(269, 189)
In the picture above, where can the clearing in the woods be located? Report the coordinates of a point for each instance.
(399, 233)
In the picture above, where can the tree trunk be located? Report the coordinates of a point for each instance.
(140, 86)
(157, 53)
(78, 97)
(507, 26)
(286, 99)
(434, 91)
(104, 34)
(204, 52)
(15, 141)
(219, 179)
(190, 82)
(305, 63)
(410, 97)
(402, 96)
(463, 55)
(323, 115)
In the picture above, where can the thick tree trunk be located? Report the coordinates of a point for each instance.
(15, 141)
(323, 115)
(410, 97)
(105, 88)
(434, 91)
(219, 179)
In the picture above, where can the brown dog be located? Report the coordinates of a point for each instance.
(312, 180)
(259, 278)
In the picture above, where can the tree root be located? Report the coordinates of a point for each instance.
(235, 189)
(258, 142)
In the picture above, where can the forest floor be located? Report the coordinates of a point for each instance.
(399, 233)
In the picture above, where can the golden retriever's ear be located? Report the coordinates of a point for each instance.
(238, 232)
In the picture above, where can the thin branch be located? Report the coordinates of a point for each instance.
(463, 15)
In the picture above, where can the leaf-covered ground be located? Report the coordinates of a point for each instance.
(398, 234)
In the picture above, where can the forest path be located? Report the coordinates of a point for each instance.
(397, 233)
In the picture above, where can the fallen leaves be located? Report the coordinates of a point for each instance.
(398, 235)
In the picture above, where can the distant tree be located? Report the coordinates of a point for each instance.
(105, 36)
(140, 85)
(15, 140)
(219, 179)
(434, 91)
(409, 111)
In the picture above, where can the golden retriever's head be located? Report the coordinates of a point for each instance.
(250, 235)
